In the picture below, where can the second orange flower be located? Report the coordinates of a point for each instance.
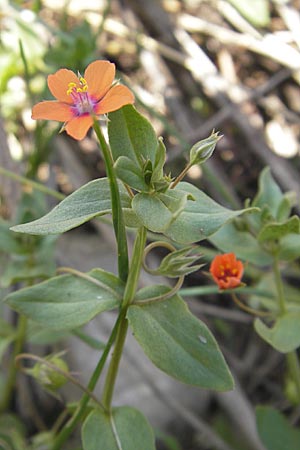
(81, 98)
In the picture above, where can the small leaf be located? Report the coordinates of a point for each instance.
(284, 335)
(130, 173)
(124, 429)
(275, 431)
(131, 135)
(89, 201)
(275, 231)
(177, 342)
(158, 210)
(269, 193)
(67, 301)
(160, 159)
(200, 218)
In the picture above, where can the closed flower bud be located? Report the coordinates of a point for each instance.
(203, 150)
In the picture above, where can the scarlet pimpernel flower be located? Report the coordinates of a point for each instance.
(82, 98)
(227, 271)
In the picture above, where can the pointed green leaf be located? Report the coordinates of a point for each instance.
(200, 218)
(284, 335)
(68, 301)
(177, 342)
(269, 193)
(275, 431)
(124, 429)
(131, 135)
(230, 239)
(89, 201)
(130, 173)
(275, 231)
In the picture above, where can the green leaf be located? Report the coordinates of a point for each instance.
(275, 231)
(35, 263)
(130, 173)
(89, 201)
(230, 239)
(177, 342)
(131, 135)
(255, 11)
(288, 201)
(284, 335)
(275, 431)
(158, 210)
(68, 301)
(160, 159)
(125, 428)
(289, 247)
(269, 193)
(200, 218)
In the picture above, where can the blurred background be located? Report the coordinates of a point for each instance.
(194, 66)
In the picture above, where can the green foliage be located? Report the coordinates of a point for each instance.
(177, 342)
(275, 431)
(284, 335)
(124, 428)
(67, 301)
(87, 202)
(178, 263)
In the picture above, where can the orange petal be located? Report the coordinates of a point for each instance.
(99, 76)
(78, 127)
(116, 97)
(52, 110)
(58, 84)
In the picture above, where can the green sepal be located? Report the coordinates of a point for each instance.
(178, 263)
(177, 342)
(87, 202)
(68, 301)
(284, 335)
(124, 428)
(203, 150)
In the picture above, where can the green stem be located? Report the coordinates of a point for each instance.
(38, 186)
(279, 286)
(130, 289)
(292, 357)
(181, 175)
(80, 411)
(117, 212)
(12, 370)
(294, 368)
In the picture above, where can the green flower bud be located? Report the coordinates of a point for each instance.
(203, 150)
(47, 376)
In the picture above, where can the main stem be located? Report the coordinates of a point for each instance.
(117, 212)
(130, 290)
(292, 357)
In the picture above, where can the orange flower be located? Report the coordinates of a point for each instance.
(80, 99)
(227, 271)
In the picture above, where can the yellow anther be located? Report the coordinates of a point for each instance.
(82, 80)
(71, 87)
(234, 271)
(222, 273)
(79, 90)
